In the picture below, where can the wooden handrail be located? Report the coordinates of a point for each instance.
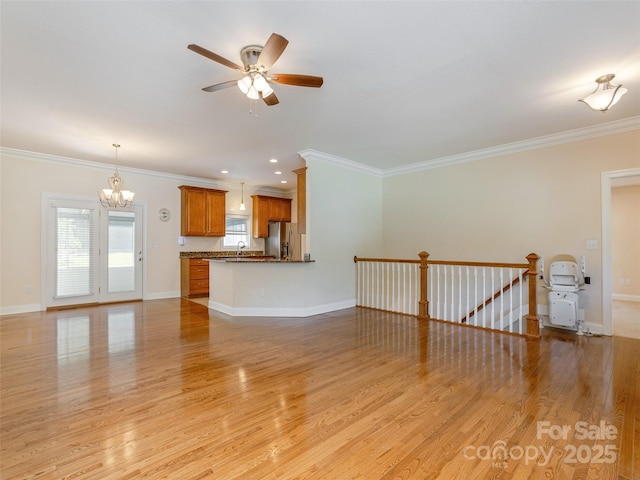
(479, 264)
(445, 262)
(499, 292)
(383, 260)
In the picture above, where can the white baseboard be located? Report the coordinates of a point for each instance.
(625, 298)
(161, 295)
(36, 307)
(299, 312)
(16, 309)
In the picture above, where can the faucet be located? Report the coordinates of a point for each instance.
(240, 245)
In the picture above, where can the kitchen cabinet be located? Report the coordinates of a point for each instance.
(202, 212)
(279, 209)
(194, 277)
(269, 209)
(260, 212)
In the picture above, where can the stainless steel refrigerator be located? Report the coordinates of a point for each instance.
(276, 244)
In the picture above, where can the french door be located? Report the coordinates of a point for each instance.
(92, 254)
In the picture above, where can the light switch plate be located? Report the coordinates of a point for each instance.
(592, 244)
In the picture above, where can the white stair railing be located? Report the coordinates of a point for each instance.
(487, 295)
(389, 285)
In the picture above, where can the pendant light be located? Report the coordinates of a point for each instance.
(242, 207)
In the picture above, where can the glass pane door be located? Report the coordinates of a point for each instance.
(122, 252)
(121, 277)
(92, 254)
(71, 252)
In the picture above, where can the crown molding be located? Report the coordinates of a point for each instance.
(610, 128)
(47, 158)
(321, 157)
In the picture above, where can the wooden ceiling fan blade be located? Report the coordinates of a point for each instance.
(271, 99)
(299, 80)
(214, 56)
(220, 86)
(272, 50)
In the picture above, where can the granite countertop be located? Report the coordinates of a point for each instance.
(222, 254)
(248, 259)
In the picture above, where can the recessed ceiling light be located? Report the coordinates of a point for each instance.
(274, 160)
(283, 181)
(278, 173)
(224, 171)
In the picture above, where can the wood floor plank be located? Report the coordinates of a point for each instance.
(170, 389)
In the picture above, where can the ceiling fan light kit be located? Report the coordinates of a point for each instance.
(257, 61)
(605, 95)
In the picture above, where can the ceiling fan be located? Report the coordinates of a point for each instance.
(257, 61)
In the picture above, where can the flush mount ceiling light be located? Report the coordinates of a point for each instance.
(114, 196)
(605, 95)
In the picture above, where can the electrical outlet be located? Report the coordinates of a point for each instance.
(622, 281)
(627, 281)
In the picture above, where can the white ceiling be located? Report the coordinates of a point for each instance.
(404, 82)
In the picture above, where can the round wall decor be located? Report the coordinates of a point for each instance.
(164, 214)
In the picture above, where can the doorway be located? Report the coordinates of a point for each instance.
(611, 180)
(91, 254)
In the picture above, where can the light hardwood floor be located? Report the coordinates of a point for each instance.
(168, 389)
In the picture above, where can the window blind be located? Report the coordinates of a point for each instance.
(74, 251)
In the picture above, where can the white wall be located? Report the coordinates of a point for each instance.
(25, 177)
(344, 220)
(545, 201)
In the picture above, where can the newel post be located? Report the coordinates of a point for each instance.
(533, 325)
(423, 304)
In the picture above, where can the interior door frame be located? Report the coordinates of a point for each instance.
(609, 180)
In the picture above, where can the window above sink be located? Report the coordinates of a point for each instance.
(237, 230)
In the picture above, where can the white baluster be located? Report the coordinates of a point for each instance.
(475, 298)
(484, 296)
(468, 304)
(493, 289)
(520, 323)
(510, 302)
(501, 299)
(457, 318)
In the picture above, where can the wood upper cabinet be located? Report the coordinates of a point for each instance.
(279, 209)
(269, 209)
(203, 212)
(260, 214)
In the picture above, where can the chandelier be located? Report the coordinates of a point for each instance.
(114, 196)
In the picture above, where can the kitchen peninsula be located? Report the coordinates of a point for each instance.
(259, 287)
